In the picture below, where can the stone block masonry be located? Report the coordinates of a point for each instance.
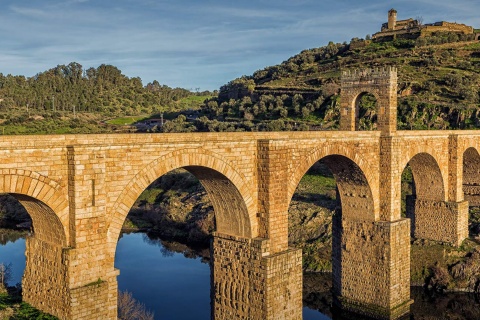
(250, 283)
(438, 220)
(79, 189)
(372, 268)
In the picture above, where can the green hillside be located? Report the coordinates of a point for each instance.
(438, 86)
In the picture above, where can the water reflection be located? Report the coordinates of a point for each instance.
(173, 280)
(170, 285)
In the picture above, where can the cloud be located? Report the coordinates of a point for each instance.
(190, 43)
(29, 12)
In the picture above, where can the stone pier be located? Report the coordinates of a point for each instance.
(250, 283)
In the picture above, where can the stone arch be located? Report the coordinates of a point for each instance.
(427, 176)
(43, 199)
(356, 105)
(231, 196)
(471, 176)
(354, 177)
(382, 83)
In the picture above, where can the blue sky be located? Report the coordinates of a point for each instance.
(192, 43)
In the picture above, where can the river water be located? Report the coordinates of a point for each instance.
(174, 282)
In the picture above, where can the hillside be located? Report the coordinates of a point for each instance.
(71, 99)
(438, 86)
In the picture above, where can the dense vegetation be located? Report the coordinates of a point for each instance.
(438, 88)
(69, 99)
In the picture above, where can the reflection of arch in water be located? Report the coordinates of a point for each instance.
(471, 176)
(44, 283)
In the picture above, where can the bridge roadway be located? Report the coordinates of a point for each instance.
(78, 189)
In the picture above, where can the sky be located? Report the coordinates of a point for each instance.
(193, 44)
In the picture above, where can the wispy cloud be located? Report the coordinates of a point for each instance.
(190, 43)
(29, 12)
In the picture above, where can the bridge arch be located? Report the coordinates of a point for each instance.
(471, 176)
(44, 200)
(428, 179)
(234, 205)
(354, 176)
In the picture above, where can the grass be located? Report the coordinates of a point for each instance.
(21, 310)
(472, 46)
(191, 103)
(150, 195)
(126, 120)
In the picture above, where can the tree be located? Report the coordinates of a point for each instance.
(131, 309)
(367, 112)
(5, 275)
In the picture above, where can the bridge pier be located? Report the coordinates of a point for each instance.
(247, 282)
(45, 279)
(371, 268)
(49, 283)
(438, 220)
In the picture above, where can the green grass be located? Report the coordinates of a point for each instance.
(22, 310)
(150, 195)
(192, 102)
(126, 120)
(316, 183)
(472, 46)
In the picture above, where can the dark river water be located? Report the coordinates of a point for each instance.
(174, 283)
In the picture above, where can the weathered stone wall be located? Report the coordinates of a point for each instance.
(438, 220)
(96, 300)
(382, 83)
(250, 283)
(471, 176)
(444, 26)
(45, 279)
(372, 268)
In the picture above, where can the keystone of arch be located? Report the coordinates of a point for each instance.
(369, 170)
(175, 160)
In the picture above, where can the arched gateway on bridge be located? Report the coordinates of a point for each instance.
(382, 84)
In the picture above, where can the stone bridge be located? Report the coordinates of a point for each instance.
(78, 189)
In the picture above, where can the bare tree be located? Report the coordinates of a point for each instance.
(5, 275)
(131, 309)
(419, 20)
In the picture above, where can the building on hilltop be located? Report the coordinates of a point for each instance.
(413, 28)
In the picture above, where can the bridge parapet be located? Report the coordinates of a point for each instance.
(357, 76)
